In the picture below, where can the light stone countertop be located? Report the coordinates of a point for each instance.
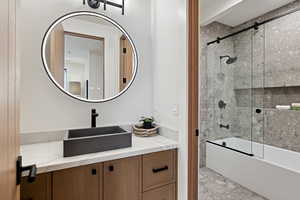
(49, 156)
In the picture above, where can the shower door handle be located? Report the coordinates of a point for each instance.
(258, 111)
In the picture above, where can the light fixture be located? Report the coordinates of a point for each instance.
(96, 4)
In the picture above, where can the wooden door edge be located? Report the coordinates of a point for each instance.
(193, 79)
(9, 102)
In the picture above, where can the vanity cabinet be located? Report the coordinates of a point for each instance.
(122, 179)
(147, 177)
(78, 183)
(167, 192)
(38, 190)
(159, 169)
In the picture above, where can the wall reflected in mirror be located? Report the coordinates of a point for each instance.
(89, 57)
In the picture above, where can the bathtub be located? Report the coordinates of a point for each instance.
(272, 172)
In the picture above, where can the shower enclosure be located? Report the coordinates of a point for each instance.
(251, 132)
(235, 92)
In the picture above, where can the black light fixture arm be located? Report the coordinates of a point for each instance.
(96, 4)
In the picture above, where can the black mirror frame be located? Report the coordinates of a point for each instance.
(108, 19)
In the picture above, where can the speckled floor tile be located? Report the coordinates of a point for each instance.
(213, 186)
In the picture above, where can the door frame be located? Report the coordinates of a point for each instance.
(193, 92)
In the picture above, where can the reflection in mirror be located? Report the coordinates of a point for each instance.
(89, 57)
(84, 65)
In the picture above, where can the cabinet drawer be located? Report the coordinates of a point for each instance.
(159, 169)
(167, 192)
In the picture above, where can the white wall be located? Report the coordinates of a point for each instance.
(212, 10)
(43, 106)
(169, 44)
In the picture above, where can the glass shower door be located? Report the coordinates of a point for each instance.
(243, 84)
(229, 93)
(258, 91)
(235, 92)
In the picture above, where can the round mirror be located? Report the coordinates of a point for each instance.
(89, 57)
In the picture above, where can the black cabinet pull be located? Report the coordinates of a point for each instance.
(156, 170)
(111, 168)
(94, 171)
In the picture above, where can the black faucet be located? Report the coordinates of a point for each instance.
(94, 117)
(225, 126)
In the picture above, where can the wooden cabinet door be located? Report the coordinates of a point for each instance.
(40, 189)
(163, 193)
(80, 183)
(122, 179)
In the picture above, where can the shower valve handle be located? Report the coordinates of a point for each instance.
(225, 126)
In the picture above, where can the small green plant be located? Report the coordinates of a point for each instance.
(147, 119)
(147, 122)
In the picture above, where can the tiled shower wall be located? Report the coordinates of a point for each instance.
(212, 77)
(267, 69)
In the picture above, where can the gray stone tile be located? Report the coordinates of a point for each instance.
(213, 186)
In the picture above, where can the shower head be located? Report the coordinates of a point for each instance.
(230, 60)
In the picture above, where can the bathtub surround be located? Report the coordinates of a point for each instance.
(265, 74)
(275, 176)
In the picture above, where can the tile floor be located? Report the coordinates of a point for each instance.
(214, 186)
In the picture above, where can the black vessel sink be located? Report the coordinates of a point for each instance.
(92, 140)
